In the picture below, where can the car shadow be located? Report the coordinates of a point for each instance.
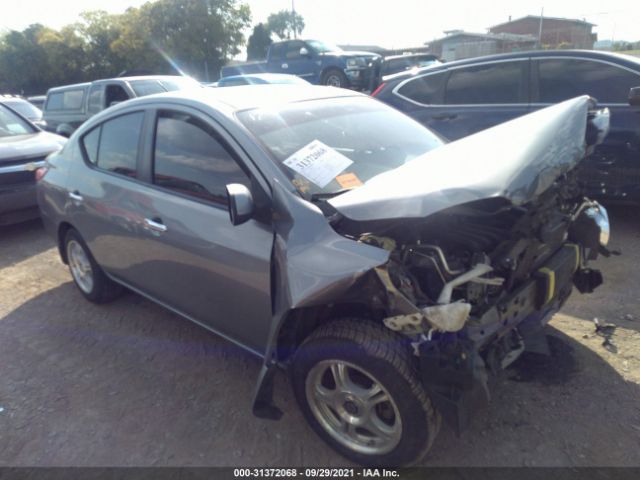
(132, 384)
(569, 408)
(21, 241)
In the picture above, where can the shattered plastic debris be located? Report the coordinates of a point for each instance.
(606, 330)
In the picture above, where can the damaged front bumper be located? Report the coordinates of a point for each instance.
(454, 365)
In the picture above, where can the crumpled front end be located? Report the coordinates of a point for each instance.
(464, 275)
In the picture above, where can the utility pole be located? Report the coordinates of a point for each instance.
(295, 26)
(540, 30)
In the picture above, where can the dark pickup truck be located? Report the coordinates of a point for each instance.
(317, 62)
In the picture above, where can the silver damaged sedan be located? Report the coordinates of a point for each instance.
(386, 271)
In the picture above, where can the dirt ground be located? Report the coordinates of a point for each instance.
(132, 384)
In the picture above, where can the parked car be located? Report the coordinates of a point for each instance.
(260, 79)
(68, 107)
(317, 62)
(400, 63)
(24, 108)
(23, 148)
(460, 98)
(37, 101)
(387, 273)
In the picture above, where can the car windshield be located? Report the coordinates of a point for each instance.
(323, 47)
(149, 87)
(25, 109)
(11, 124)
(331, 145)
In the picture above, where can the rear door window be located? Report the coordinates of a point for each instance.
(563, 78)
(113, 145)
(293, 50)
(191, 159)
(277, 51)
(427, 89)
(491, 83)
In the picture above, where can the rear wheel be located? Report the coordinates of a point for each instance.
(357, 385)
(92, 282)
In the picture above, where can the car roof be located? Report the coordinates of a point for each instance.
(263, 76)
(625, 60)
(250, 96)
(124, 79)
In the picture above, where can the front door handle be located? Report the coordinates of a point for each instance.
(75, 196)
(285, 65)
(155, 225)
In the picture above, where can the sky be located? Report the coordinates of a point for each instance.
(397, 24)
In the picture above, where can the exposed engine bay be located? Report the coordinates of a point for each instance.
(468, 284)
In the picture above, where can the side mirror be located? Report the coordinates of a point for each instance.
(304, 52)
(240, 203)
(634, 97)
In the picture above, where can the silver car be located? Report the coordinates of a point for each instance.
(387, 272)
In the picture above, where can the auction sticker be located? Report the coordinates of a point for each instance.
(318, 163)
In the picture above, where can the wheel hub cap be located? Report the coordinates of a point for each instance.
(80, 266)
(353, 407)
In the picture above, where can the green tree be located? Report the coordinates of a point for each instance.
(162, 36)
(259, 42)
(22, 61)
(285, 23)
(191, 36)
(100, 30)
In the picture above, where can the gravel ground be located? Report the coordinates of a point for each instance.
(132, 384)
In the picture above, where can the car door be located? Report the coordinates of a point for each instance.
(614, 169)
(296, 64)
(459, 101)
(188, 255)
(104, 189)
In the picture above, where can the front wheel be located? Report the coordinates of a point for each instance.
(358, 388)
(335, 78)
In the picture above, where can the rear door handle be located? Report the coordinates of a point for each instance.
(155, 225)
(285, 65)
(75, 196)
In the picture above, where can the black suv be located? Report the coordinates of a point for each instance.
(68, 107)
(459, 98)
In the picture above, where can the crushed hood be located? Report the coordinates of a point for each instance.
(516, 160)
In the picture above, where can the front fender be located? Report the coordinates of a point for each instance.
(312, 265)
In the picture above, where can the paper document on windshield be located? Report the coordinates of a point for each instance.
(318, 163)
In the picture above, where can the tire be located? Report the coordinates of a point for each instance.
(335, 78)
(399, 429)
(92, 282)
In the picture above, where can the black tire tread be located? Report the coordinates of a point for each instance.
(389, 346)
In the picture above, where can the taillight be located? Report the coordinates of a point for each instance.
(40, 173)
(378, 90)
